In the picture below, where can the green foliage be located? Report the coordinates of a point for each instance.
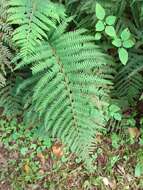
(71, 87)
(12, 135)
(107, 25)
(139, 165)
(128, 81)
(123, 55)
(11, 103)
(24, 145)
(5, 44)
(114, 112)
(100, 12)
(34, 18)
(77, 66)
(23, 167)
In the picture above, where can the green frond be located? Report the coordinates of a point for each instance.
(129, 81)
(5, 62)
(71, 75)
(5, 28)
(85, 10)
(34, 18)
(11, 103)
(5, 44)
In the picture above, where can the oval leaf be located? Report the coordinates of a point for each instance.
(110, 31)
(100, 12)
(128, 43)
(98, 36)
(123, 55)
(125, 35)
(100, 26)
(110, 20)
(117, 42)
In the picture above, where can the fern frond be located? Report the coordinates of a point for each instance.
(11, 103)
(129, 81)
(34, 19)
(71, 68)
(5, 43)
(5, 59)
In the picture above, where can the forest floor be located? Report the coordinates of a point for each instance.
(37, 165)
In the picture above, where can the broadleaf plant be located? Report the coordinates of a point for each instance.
(107, 25)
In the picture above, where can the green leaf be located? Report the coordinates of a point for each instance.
(128, 43)
(110, 20)
(113, 111)
(113, 160)
(110, 31)
(23, 151)
(125, 35)
(113, 108)
(98, 36)
(117, 42)
(115, 140)
(100, 12)
(100, 26)
(138, 170)
(123, 55)
(33, 146)
(47, 142)
(117, 116)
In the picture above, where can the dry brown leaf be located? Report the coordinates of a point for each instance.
(26, 168)
(99, 137)
(58, 150)
(134, 132)
(41, 157)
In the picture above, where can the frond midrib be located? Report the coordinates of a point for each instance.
(30, 22)
(67, 87)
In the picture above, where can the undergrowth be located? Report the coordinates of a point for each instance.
(29, 162)
(71, 70)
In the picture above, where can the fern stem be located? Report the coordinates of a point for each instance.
(28, 32)
(67, 86)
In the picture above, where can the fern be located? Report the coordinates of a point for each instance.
(5, 58)
(68, 83)
(34, 19)
(129, 82)
(85, 10)
(69, 96)
(5, 43)
(11, 103)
